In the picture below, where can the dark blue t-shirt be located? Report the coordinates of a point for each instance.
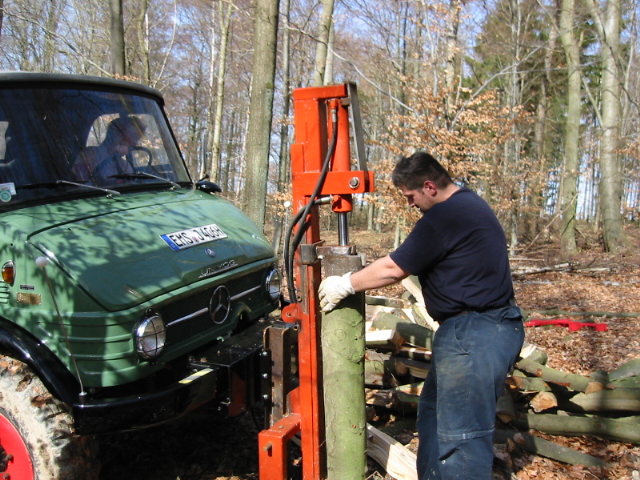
(458, 250)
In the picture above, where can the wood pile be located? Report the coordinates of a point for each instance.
(536, 398)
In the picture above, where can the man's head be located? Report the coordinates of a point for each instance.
(411, 172)
(422, 180)
(124, 132)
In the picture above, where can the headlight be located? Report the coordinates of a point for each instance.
(151, 336)
(273, 284)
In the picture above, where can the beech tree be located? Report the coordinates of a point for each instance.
(261, 109)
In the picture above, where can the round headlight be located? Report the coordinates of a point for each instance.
(151, 336)
(273, 284)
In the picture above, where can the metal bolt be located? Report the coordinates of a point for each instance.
(354, 182)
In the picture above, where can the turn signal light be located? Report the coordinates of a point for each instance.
(8, 273)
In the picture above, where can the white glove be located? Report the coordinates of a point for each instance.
(333, 289)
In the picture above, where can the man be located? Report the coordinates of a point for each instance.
(458, 251)
(97, 164)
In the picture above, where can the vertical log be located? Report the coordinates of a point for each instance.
(343, 348)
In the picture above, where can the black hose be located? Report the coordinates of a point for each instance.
(300, 217)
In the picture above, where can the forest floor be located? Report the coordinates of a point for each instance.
(204, 447)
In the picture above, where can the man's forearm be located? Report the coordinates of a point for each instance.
(380, 273)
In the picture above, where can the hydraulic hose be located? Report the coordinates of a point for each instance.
(300, 218)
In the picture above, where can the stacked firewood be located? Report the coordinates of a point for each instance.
(536, 397)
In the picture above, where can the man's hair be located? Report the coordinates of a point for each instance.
(411, 172)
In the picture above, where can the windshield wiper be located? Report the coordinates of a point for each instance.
(92, 187)
(57, 183)
(145, 175)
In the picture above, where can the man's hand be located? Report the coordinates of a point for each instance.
(333, 289)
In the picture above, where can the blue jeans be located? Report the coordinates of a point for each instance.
(472, 355)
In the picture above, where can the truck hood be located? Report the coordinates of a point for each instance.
(126, 250)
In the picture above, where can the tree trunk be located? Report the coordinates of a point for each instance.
(118, 64)
(322, 47)
(284, 174)
(142, 27)
(569, 192)
(225, 23)
(261, 109)
(610, 90)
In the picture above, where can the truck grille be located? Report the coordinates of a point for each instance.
(190, 316)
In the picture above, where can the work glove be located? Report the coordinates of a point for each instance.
(333, 289)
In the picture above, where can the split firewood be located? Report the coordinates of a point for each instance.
(412, 284)
(416, 335)
(565, 425)
(543, 401)
(388, 339)
(545, 448)
(416, 368)
(573, 381)
(380, 371)
(416, 353)
(387, 302)
(395, 458)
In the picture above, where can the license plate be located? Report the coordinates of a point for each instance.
(193, 237)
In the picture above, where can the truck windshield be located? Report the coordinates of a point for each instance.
(56, 142)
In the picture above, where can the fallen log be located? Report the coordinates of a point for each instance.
(395, 458)
(565, 313)
(626, 382)
(618, 400)
(528, 384)
(505, 409)
(629, 369)
(533, 353)
(565, 425)
(548, 449)
(576, 382)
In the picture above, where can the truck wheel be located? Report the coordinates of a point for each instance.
(36, 435)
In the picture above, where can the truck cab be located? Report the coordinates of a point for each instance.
(130, 293)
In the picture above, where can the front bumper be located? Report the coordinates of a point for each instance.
(228, 373)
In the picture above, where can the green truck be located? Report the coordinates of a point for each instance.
(130, 293)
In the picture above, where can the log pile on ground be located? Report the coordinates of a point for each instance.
(536, 398)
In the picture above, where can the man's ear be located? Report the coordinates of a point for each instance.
(430, 187)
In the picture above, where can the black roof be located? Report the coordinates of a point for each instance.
(64, 79)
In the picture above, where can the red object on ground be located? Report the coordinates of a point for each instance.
(573, 325)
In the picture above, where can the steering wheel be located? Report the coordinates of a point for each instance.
(144, 150)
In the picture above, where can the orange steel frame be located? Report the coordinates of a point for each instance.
(314, 111)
